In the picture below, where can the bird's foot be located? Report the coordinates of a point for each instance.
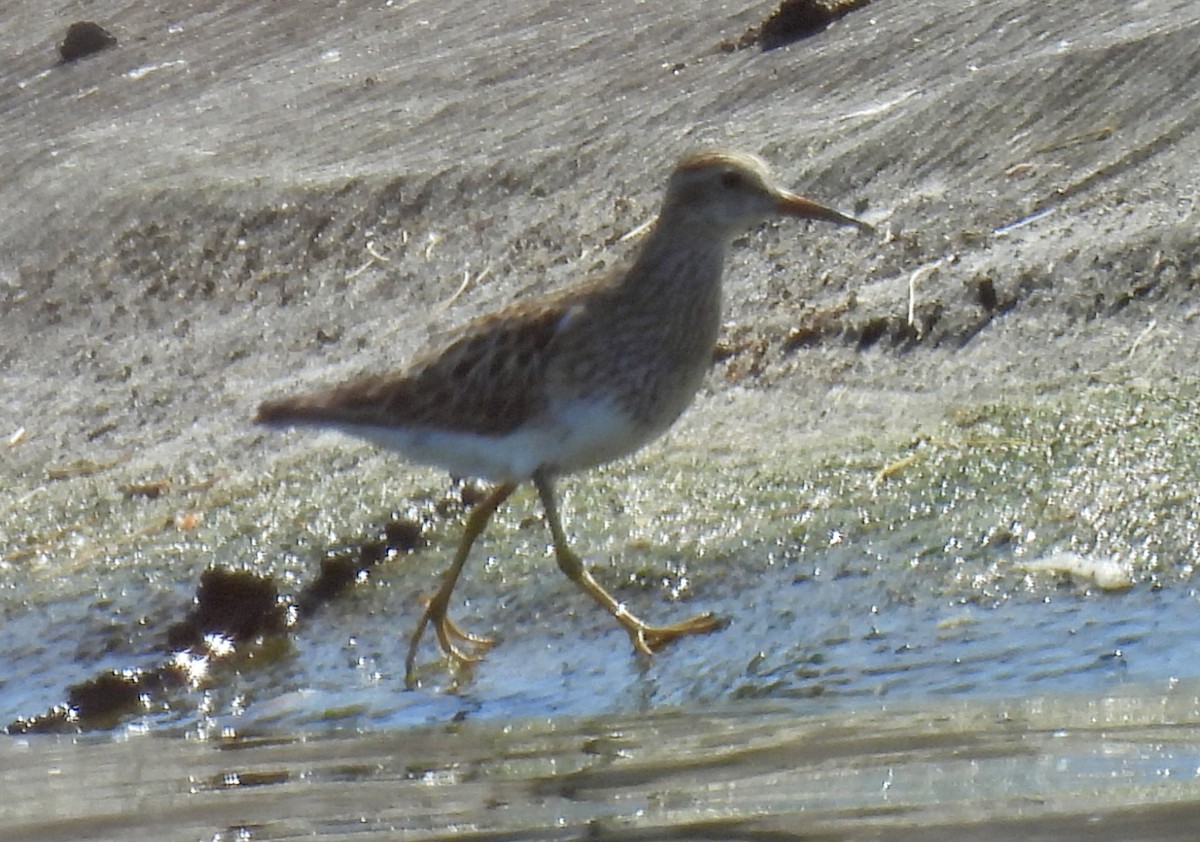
(448, 629)
(649, 639)
(450, 637)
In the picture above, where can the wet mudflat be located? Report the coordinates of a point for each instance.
(941, 482)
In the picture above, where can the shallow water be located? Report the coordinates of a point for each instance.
(1044, 768)
(1008, 551)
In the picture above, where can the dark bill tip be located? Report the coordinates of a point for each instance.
(792, 205)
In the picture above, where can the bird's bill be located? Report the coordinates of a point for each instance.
(792, 205)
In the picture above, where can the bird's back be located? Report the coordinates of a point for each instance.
(486, 380)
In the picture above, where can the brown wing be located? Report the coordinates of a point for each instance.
(487, 380)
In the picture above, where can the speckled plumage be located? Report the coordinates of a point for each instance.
(572, 379)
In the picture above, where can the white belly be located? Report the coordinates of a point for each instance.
(568, 438)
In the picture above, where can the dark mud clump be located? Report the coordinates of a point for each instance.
(102, 702)
(84, 38)
(234, 611)
(232, 608)
(235, 604)
(792, 21)
(340, 569)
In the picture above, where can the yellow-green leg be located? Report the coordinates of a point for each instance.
(436, 608)
(646, 639)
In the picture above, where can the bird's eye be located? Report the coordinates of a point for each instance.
(731, 180)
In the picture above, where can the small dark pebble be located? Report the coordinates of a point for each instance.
(85, 37)
(985, 293)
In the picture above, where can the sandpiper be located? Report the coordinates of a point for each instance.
(569, 380)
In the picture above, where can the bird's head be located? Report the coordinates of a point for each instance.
(731, 192)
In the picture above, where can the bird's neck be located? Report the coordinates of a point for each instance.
(679, 258)
(674, 291)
